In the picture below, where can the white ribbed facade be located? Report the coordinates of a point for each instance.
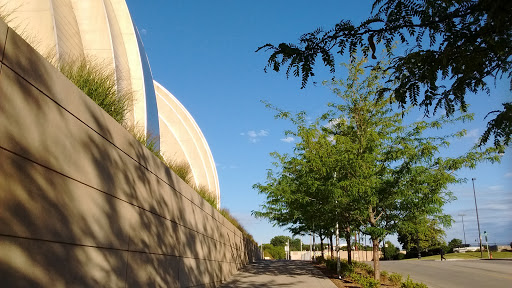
(104, 30)
(178, 128)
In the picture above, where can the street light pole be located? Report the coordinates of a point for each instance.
(477, 220)
(310, 245)
(338, 265)
(463, 230)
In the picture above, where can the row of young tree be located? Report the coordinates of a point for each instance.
(360, 167)
(276, 248)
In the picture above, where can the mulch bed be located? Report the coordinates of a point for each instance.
(334, 278)
(341, 283)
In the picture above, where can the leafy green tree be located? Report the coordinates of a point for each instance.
(274, 252)
(453, 48)
(421, 233)
(295, 244)
(298, 191)
(367, 168)
(390, 251)
(280, 241)
(454, 243)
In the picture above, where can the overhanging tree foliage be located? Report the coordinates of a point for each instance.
(453, 48)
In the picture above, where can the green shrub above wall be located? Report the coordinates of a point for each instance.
(225, 212)
(181, 168)
(98, 81)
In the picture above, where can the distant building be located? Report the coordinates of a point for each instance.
(103, 29)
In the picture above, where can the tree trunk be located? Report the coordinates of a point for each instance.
(322, 246)
(332, 248)
(355, 241)
(375, 243)
(349, 247)
(376, 268)
(419, 249)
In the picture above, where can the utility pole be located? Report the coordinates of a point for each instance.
(477, 220)
(365, 249)
(314, 247)
(310, 245)
(288, 255)
(463, 230)
(338, 265)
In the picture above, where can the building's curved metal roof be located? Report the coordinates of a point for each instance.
(104, 30)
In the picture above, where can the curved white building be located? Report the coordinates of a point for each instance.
(181, 138)
(104, 30)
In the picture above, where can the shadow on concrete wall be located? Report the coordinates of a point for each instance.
(83, 204)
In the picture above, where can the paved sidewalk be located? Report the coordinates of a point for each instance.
(298, 274)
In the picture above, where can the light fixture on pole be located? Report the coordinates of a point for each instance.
(463, 230)
(310, 244)
(477, 220)
(338, 264)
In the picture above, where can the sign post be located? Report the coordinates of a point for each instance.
(487, 244)
(287, 250)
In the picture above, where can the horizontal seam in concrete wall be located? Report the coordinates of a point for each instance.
(55, 214)
(106, 139)
(205, 284)
(113, 196)
(110, 248)
(4, 45)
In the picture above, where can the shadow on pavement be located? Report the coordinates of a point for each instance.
(279, 274)
(284, 268)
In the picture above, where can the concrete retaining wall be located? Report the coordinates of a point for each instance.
(83, 204)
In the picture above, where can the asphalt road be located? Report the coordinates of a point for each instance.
(454, 273)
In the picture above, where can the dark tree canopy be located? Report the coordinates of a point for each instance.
(453, 48)
(454, 243)
(280, 240)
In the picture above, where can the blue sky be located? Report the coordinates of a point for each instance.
(204, 53)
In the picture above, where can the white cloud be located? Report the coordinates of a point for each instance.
(254, 136)
(143, 31)
(288, 139)
(508, 175)
(221, 166)
(496, 188)
(473, 133)
(332, 123)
